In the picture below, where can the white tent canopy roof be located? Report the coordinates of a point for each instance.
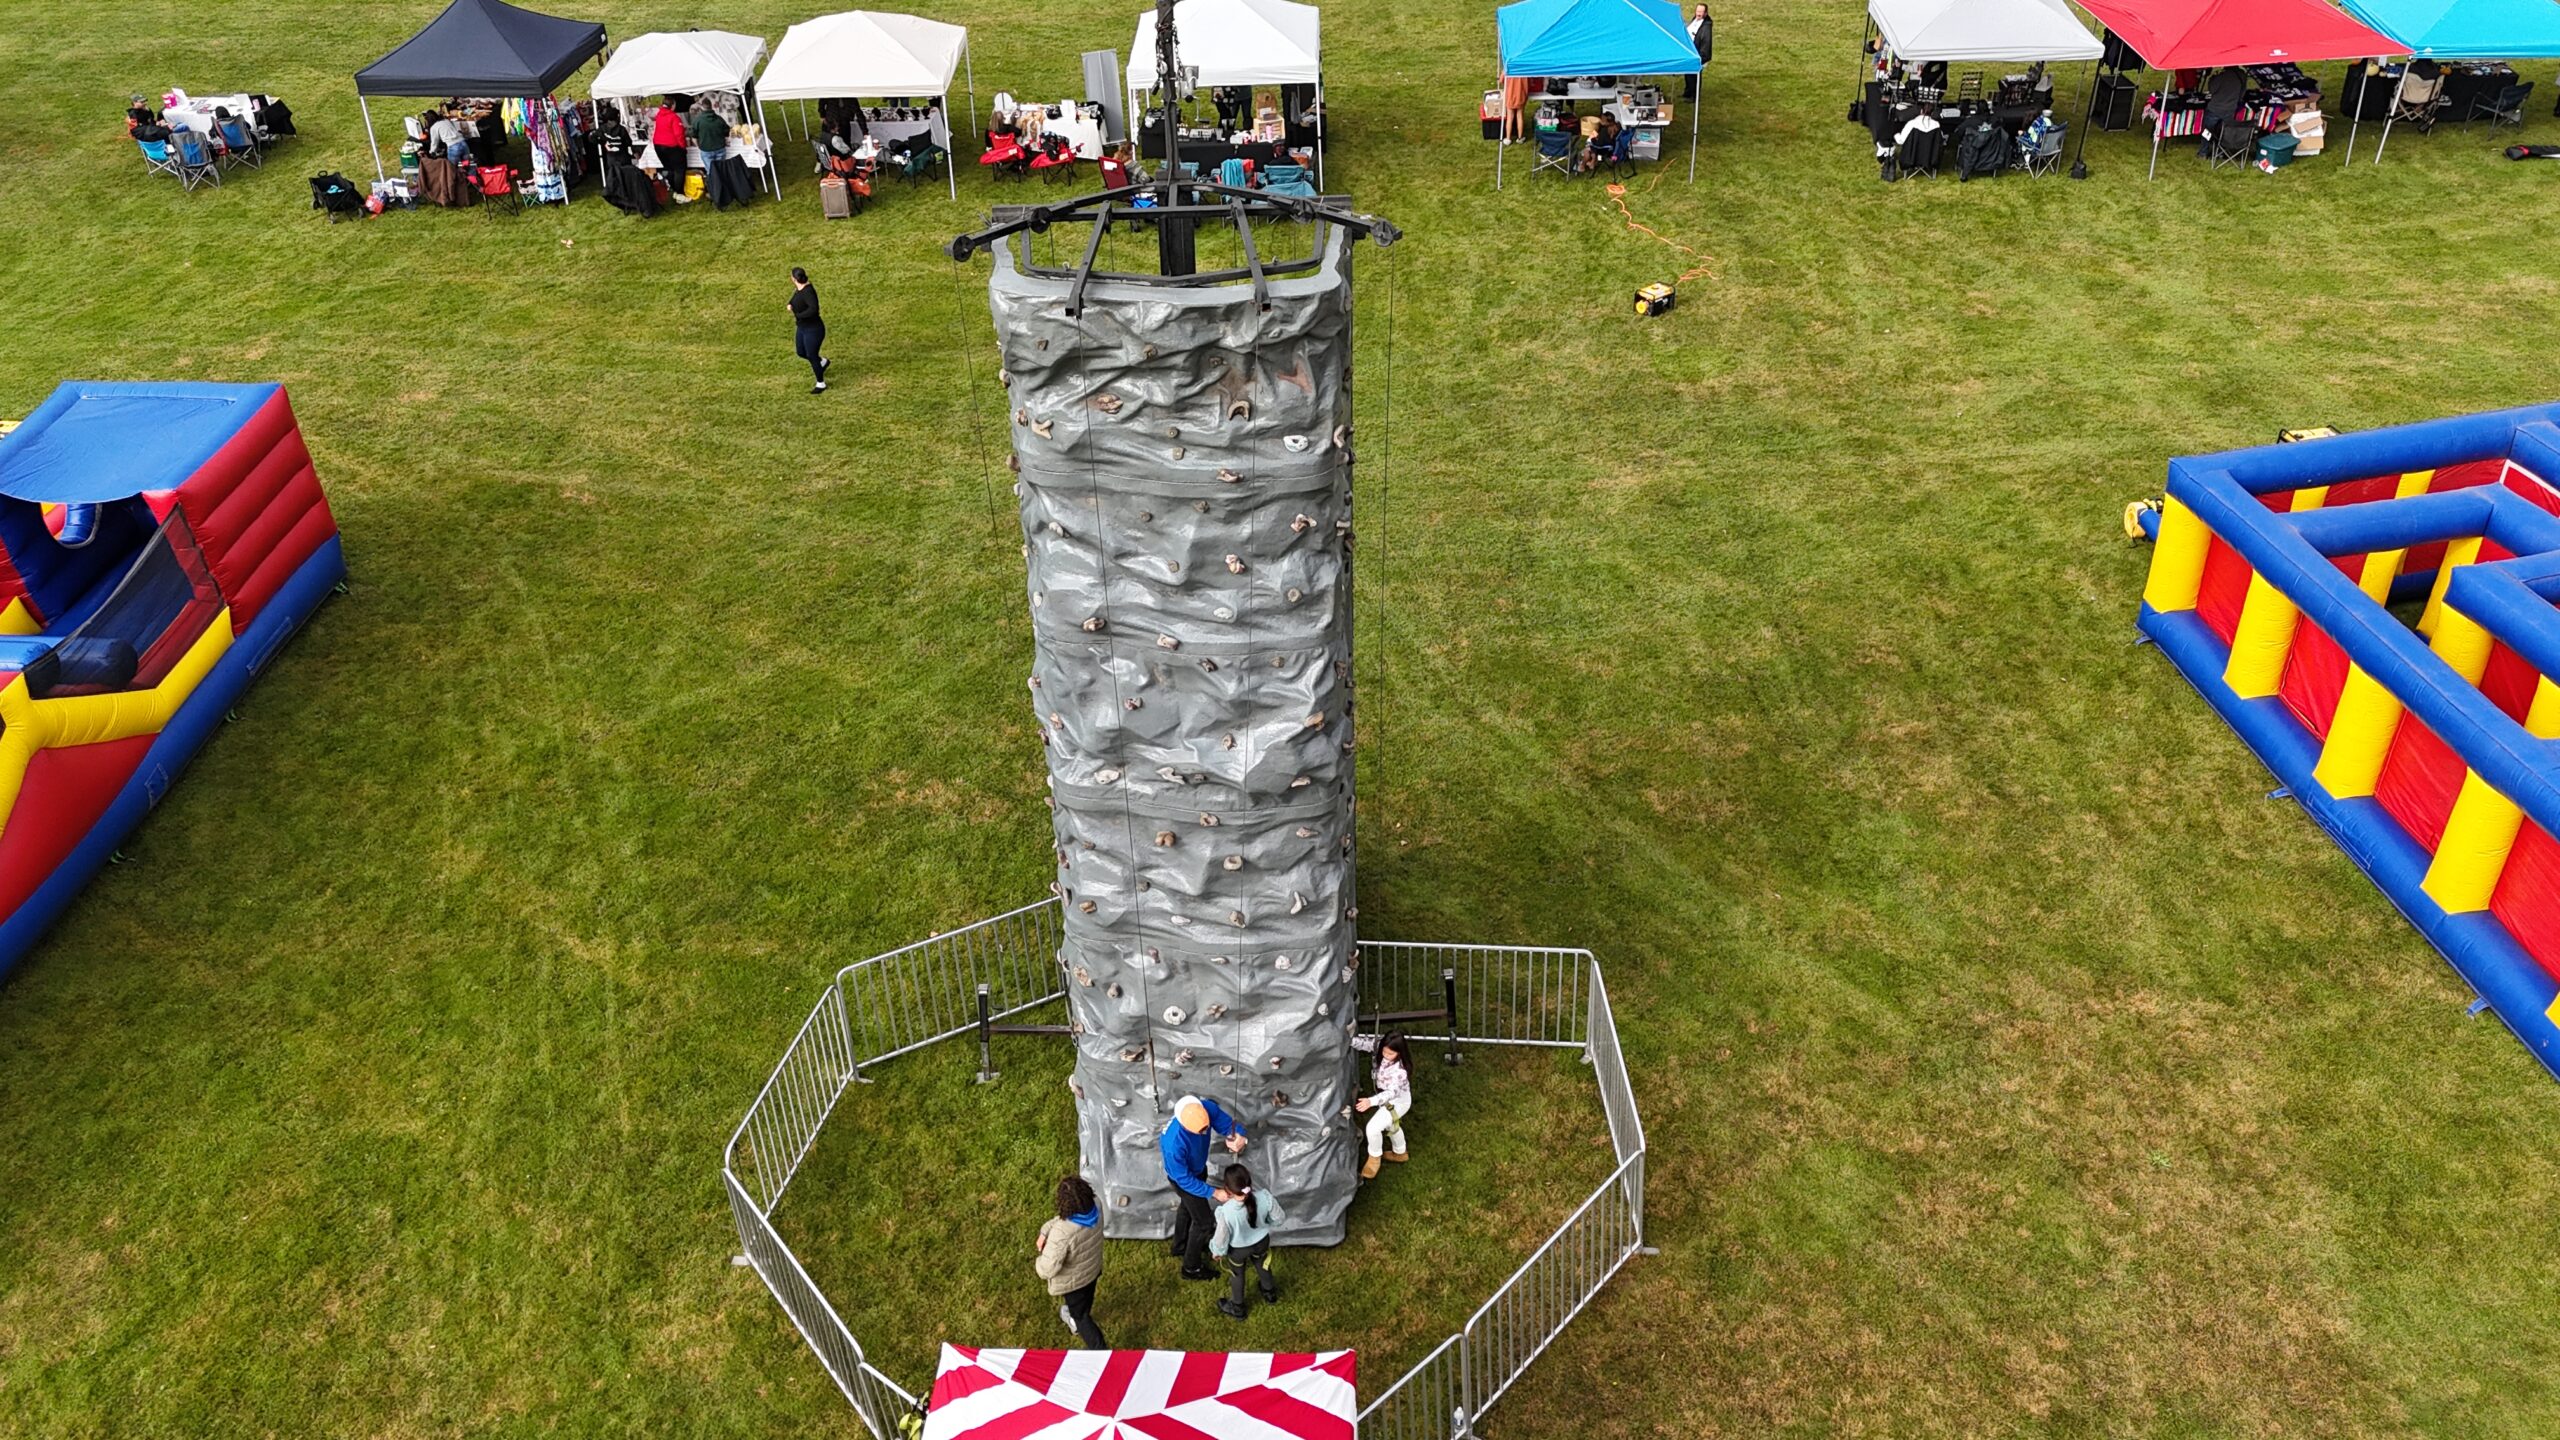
(1955, 30)
(679, 63)
(863, 52)
(1234, 42)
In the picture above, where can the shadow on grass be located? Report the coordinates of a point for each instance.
(916, 1210)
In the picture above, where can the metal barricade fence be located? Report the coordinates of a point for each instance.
(1506, 994)
(912, 997)
(1426, 1403)
(879, 1400)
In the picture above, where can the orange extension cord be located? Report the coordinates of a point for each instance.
(1706, 263)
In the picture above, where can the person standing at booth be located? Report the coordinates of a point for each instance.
(666, 136)
(1702, 36)
(808, 329)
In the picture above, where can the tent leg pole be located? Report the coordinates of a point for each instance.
(369, 140)
(1694, 108)
(1319, 131)
(1505, 142)
(2156, 127)
(2399, 93)
(2088, 118)
(804, 120)
(972, 67)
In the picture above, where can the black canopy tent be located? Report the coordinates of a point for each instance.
(480, 47)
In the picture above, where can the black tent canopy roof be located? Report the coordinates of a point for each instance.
(484, 47)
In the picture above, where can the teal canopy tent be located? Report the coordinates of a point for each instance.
(1566, 39)
(2459, 30)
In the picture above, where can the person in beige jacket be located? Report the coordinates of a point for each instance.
(1070, 1248)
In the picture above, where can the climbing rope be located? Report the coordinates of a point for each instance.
(1706, 263)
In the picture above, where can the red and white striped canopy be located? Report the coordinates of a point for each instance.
(1140, 1395)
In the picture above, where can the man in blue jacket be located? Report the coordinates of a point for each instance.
(1185, 1144)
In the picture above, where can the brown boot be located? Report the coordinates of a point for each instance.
(1370, 1170)
(1398, 1156)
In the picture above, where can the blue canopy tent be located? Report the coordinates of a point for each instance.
(1563, 39)
(2459, 30)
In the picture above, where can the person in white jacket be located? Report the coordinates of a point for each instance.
(1393, 1076)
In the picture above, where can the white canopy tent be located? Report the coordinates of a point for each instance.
(865, 53)
(1237, 42)
(1958, 30)
(692, 62)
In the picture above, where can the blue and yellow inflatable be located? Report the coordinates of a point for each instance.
(2423, 740)
(158, 542)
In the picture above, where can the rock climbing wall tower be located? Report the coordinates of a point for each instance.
(1182, 448)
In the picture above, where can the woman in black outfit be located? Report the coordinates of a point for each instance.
(809, 332)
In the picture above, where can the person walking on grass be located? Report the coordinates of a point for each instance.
(1185, 1147)
(1243, 1239)
(809, 329)
(1070, 1248)
(1386, 1110)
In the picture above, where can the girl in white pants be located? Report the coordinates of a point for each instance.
(1386, 1109)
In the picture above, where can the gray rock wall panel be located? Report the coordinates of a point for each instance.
(1184, 471)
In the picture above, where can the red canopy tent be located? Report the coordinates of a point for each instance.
(2203, 34)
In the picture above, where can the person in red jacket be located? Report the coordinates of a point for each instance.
(666, 136)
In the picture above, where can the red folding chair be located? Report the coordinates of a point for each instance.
(496, 183)
(1004, 154)
(1056, 160)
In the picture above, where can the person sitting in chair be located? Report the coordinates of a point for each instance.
(2224, 92)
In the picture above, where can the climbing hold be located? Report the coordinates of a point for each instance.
(1300, 524)
(1306, 832)
(1043, 428)
(1164, 838)
(1106, 775)
(1022, 417)
(1295, 594)
(1175, 1015)
(1167, 642)
(1313, 722)
(1209, 820)
(1233, 862)
(1235, 917)
(1132, 703)
(1085, 905)
(1235, 564)
(1293, 443)
(1228, 742)
(1181, 1057)
(1229, 477)
(1300, 783)
(1092, 624)
(1107, 404)
(1114, 991)
(1209, 665)
(1297, 902)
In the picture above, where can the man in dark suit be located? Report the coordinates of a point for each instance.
(1702, 33)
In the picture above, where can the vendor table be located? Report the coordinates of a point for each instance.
(2467, 82)
(2183, 119)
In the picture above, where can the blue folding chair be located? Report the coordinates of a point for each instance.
(239, 146)
(196, 163)
(1555, 152)
(1289, 180)
(158, 158)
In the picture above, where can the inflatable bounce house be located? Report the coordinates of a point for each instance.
(157, 543)
(2375, 615)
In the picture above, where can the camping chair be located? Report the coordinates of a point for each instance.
(497, 183)
(1056, 159)
(2233, 143)
(2046, 157)
(1235, 174)
(196, 163)
(1115, 173)
(1288, 180)
(1555, 152)
(159, 157)
(1921, 151)
(918, 162)
(1004, 154)
(2504, 108)
(239, 147)
(1620, 158)
(2421, 101)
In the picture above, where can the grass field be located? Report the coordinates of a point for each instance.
(2013, 1067)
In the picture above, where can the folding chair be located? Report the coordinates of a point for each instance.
(1288, 180)
(239, 147)
(2504, 108)
(2046, 157)
(1621, 160)
(1555, 152)
(196, 164)
(2420, 101)
(496, 184)
(159, 157)
(2234, 143)
(1004, 155)
(1055, 159)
